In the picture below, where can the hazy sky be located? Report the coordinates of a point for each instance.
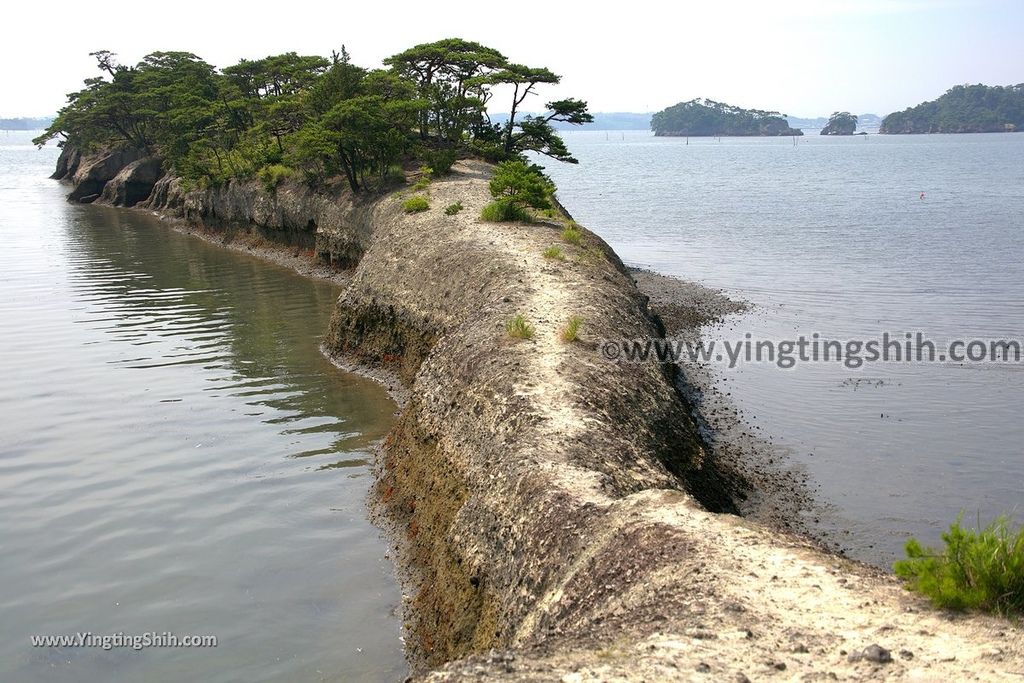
(801, 57)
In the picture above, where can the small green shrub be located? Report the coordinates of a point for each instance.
(488, 151)
(453, 209)
(440, 160)
(521, 184)
(572, 233)
(571, 331)
(416, 204)
(504, 210)
(518, 328)
(273, 175)
(978, 569)
(554, 253)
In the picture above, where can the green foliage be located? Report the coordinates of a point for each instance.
(554, 253)
(518, 328)
(426, 175)
(450, 75)
(709, 118)
(963, 109)
(440, 161)
(416, 204)
(395, 174)
(505, 211)
(572, 233)
(453, 209)
(571, 331)
(977, 569)
(327, 119)
(273, 175)
(520, 184)
(165, 101)
(488, 150)
(840, 123)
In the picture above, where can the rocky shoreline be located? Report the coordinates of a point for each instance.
(559, 516)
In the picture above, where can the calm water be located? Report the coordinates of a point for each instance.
(831, 236)
(176, 455)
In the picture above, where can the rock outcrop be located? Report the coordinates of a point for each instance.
(133, 183)
(94, 171)
(67, 163)
(331, 224)
(559, 516)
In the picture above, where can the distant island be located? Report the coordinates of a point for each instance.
(840, 123)
(618, 120)
(707, 118)
(24, 123)
(612, 120)
(865, 122)
(963, 109)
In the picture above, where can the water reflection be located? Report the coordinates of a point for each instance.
(177, 455)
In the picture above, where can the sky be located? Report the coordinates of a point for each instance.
(800, 57)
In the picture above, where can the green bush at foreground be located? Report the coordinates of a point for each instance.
(982, 570)
(572, 233)
(416, 204)
(503, 210)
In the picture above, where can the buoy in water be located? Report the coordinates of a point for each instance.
(922, 195)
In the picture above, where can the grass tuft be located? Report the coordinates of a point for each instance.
(554, 253)
(453, 209)
(572, 233)
(416, 204)
(977, 570)
(571, 331)
(518, 328)
(593, 255)
(503, 211)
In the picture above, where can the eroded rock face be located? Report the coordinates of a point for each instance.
(67, 163)
(133, 183)
(552, 503)
(96, 170)
(331, 225)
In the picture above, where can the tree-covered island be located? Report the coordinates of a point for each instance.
(963, 109)
(707, 118)
(840, 123)
(313, 117)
